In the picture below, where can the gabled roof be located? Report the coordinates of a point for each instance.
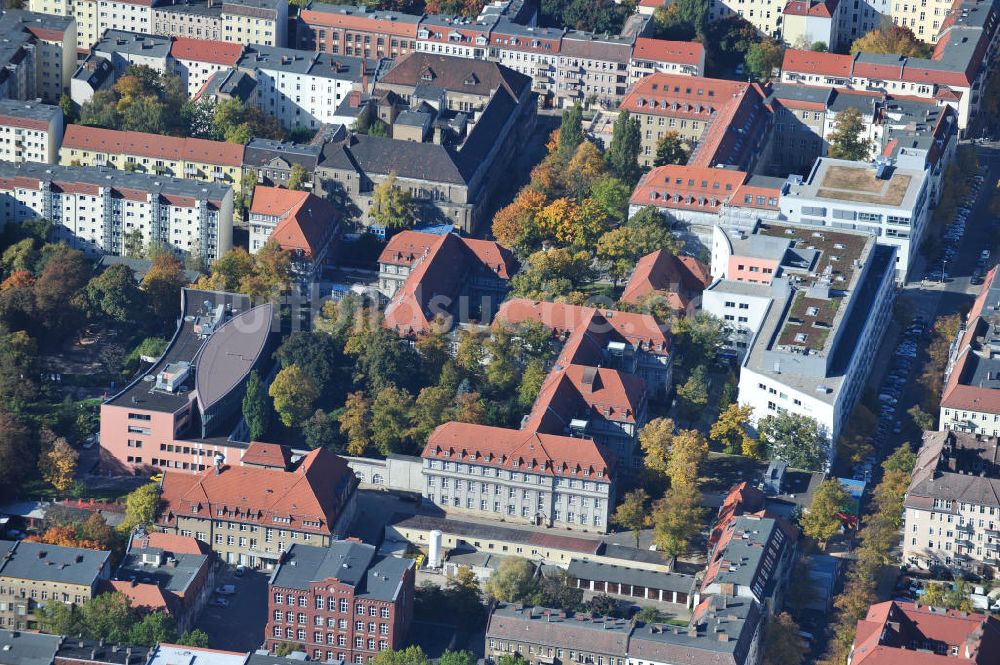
(82, 137)
(440, 270)
(271, 455)
(896, 633)
(309, 496)
(532, 452)
(962, 391)
(588, 326)
(665, 50)
(687, 187)
(586, 393)
(206, 50)
(683, 277)
(455, 74)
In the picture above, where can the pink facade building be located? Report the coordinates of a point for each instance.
(180, 412)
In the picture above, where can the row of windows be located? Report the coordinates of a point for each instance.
(359, 642)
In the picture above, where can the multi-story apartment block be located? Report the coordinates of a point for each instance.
(123, 48)
(197, 60)
(343, 603)
(38, 57)
(709, 114)
(896, 631)
(952, 513)
(449, 35)
(263, 22)
(253, 509)
(970, 401)
(889, 199)
(592, 67)
(765, 16)
(195, 159)
(752, 558)
(30, 132)
(529, 50)
(831, 294)
(178, 414)
(418, 270)
(99, 210)
(518, 476)
(34, 574)
(301, 89)
(194, 19)
(652, 56)
(356, 31)
(726, 631)
(954, 74)
(925, 19)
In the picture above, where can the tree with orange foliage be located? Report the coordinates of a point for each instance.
(584, 169)
(64, 536)
(556, 220)
(57, 463)
(21, 279)
(514, 226)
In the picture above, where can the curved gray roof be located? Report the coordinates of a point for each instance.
(230, 353)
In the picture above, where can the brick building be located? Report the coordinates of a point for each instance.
(344, 602)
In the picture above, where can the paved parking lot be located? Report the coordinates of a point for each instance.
(239, 627)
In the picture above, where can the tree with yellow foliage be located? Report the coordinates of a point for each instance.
(514, 225)
(57, 463)
(356, 423)
(730, 431)
(656, 439)
(891, 40)
(688, 453)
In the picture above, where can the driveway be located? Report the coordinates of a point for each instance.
(239, 627)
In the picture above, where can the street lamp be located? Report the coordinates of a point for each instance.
(944, 266)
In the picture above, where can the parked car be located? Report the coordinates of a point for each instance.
(240, 570)
(226, 590)
(219, 601)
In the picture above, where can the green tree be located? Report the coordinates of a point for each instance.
(632, 513)
(298, 177)
(694, 393)
(412, 655)
(59, 619)
(154, 628)
(392, 206)
(794, 438)
(450, 657)
(531, 382)
(140, 507)
(321, 430)
(256, 408)
(68, 108)
(782, 643)
(571, 129)
(626, 143)
(379, 128)
(821, 521)
(923, 420)
(115, 295)
(108, 616)
(194, 638)
(847, 138)
(317, 353)
(391, 420)
(671, 149)
(293, 392)
(650, 615)
(512, 581)
(698, 339)
(763, 58)
(902, 459)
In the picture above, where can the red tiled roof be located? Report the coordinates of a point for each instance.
(680, 95)
(306, 226)
(205, 50)
(259, 453)
(24, 123)
(665, 50)
(887, 635)
(822, 9)
(587, 393)
(438, 272)
(958, 395)
(760, 197)
(683, 277)
(517, 449)
(275, 201)
(373, 22)
(156, 146)
(312, 492)
(170, 542)
(147, 596)
(687, 187)
(582, 326)
(742, 498)
(813, 62)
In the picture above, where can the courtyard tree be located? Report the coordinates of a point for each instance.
(293, 393)
(822, 521)
(632, 513)
(847, 140)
